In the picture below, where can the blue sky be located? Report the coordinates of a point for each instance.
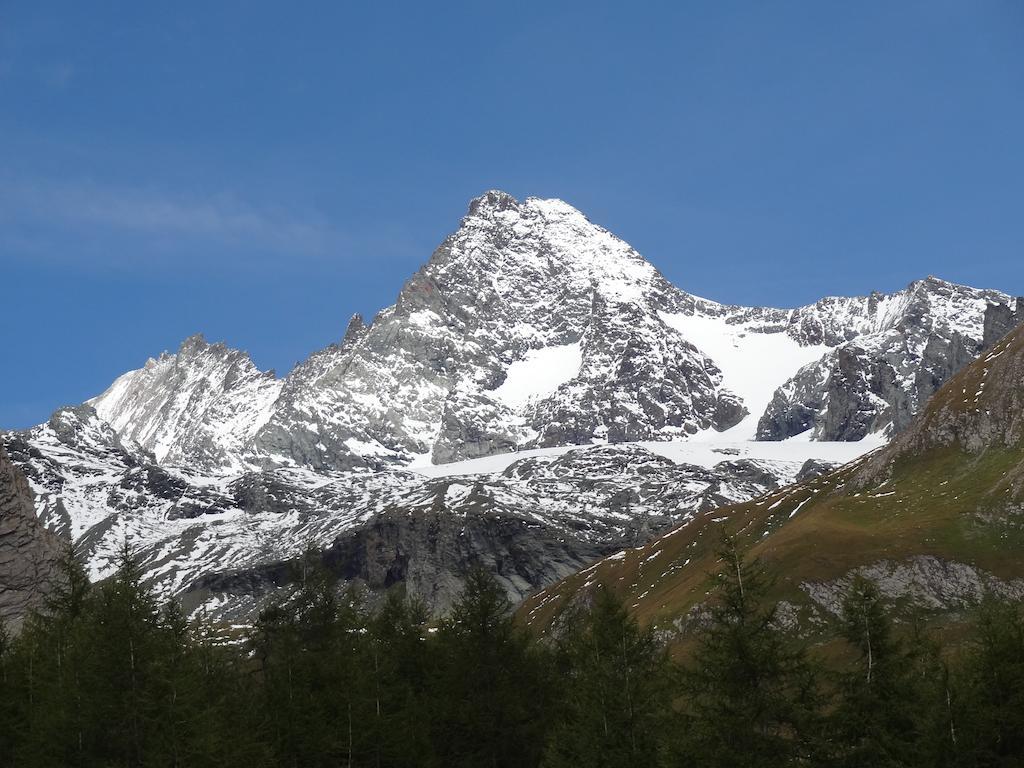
(260, 171)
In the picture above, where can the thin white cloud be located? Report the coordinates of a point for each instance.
(223, 219)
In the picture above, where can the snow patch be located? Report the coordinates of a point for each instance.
(753, 363)
(539, 374)
(703, 454)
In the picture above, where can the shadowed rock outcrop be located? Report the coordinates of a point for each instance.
(29, 553)
(1000, 319)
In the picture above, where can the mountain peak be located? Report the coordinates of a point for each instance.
(191, 347)
(204, 401)
(490, 202)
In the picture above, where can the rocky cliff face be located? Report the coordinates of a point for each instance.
(981, 409)
(880, 379)
(1000, 319)
(29, 553)
(529, 326)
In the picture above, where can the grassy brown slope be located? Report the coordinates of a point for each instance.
(951, 487)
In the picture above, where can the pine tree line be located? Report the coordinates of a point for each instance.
(104, 676)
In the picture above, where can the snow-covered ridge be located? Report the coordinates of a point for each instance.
(707, 454)
(532, 327)
(754, 364)
(203, 403)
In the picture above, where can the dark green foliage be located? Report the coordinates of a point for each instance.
(892, 710)
(313, 656)
(990, 728)
(344, 686)
(103, 677)
(751, 698)
(491, 684)
(399, 665)
(106, 677)
(8, 698)
(617, 692)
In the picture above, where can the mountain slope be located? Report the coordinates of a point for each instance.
(937, 517)
(529, 329)
(434, 374)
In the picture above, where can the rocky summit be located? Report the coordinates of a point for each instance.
(519, 406)
(532, 327)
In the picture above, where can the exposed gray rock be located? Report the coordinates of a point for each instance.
(516, 279)
(1000, 319)
(982, 409)
(924, 581)
(429, 554)
(879, 381)
(812, 469)
(29, 554)
(199, 406)
(471, 427)
(528, 327)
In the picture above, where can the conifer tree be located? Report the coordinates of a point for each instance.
(124, 691)
(616, 692)
(990, 731)
(399, 665)
(312, 651)
(276, 647)
(50, 663)
(889, 712)
(204, 711)
(491, 686)
(750, 695)
(8, 700)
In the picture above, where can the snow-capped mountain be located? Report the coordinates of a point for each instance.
(203, 404)
(532, 327)
(435, 437)
(933, 518)
(912, 342)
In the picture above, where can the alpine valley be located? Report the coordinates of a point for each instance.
(538, 398)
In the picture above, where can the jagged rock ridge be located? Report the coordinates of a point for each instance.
(201, 405)
(879, 380)
(531, 327)
(981, 409)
